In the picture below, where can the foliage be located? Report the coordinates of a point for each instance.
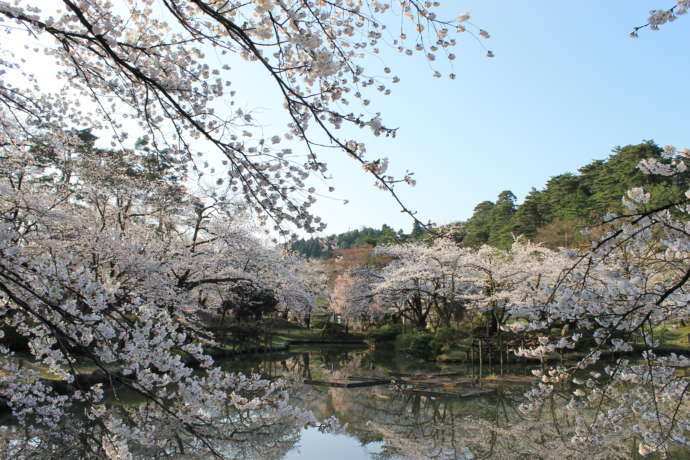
(312, 248)
(334, 330)
(325, 247)
(384, 333)
(570, 203)
(419, 344)
(555, 216)
(446, 339)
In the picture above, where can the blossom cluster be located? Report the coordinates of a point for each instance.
(164, 70)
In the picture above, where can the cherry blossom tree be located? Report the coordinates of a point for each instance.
(444, 281)
(352, 298)
(634, 280)
(658, 18)
(506, 283)
(301, 286)
(148, 62)
(100, 253)
(421, 280)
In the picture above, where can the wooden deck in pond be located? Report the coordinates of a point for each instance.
(446, 385)
(456, 378)
(451, 392)
(350, 382)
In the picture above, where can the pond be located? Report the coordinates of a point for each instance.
(417, 420)
(406, 410)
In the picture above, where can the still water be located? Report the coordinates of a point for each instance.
(313, 444)
(429, 411)
(390, 421)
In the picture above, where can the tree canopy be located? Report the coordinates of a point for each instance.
(571, 202)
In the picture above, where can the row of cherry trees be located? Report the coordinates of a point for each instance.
(439, 284)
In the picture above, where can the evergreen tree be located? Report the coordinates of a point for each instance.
(478, 227)
(500, 229)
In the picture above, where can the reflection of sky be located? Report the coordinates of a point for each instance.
(325, 446)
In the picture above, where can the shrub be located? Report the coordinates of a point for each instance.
(418, 344)
(333, 330)
(446, 339)
(385, 333)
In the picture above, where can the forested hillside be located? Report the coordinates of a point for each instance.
(569, 202)
(553, 216)
(324, 247)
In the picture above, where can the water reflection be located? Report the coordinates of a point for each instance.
(384, 421)
(266, 434)
(378, 422)
(315, 444)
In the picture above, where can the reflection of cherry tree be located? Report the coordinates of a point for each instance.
(409, 426)
(419, 427)
(415, 427)
(256, 431)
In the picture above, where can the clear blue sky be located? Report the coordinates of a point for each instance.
(566, 86)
